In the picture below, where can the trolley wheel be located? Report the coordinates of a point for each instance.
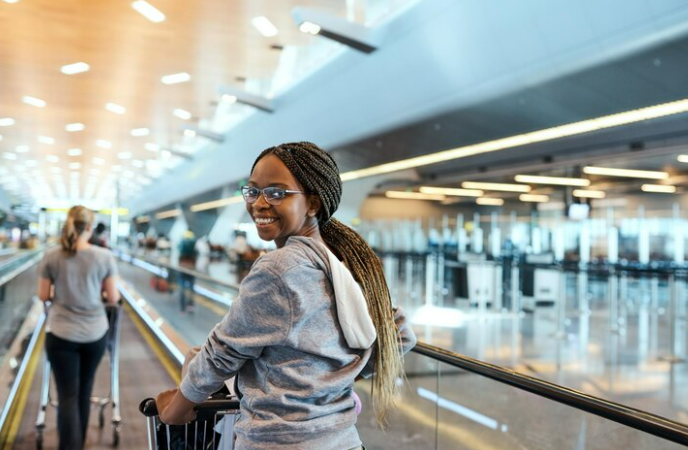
(115, 436)
(101, 419)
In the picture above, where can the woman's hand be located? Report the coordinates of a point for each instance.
(174, 408)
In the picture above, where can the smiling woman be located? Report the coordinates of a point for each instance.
(311, 317)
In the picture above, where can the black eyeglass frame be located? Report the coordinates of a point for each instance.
(244, 193)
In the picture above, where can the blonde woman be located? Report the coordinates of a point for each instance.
(72, 276)
(311, 317)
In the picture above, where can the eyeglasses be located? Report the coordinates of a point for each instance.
(272, 195)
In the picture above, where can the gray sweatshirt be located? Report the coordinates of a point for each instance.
(284, 339)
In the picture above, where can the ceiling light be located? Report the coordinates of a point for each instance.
(682, 158)
(11, 1)
(217, 203)
(588, 193)
(31, 163)
(659, 188)
(72, 127)
(55, 170)
(548, 134)
(7, 122)
(98, 161)
(115, 108)
(489, 201)
(75, 166)
(506, 187)
(74, 152)
(124, 155)
(168, 214)
(451, 191)
(137, 163)
(414, 195)
(52, 158)
(189, 133)
(560, 181)
(10, 156)
(72, 69)
(264, 26)
(46, 140)
(309, 27)
(534, 198)
(607, 171)
(33, 101)
(102, 143)
(148, 11)
(227, 98)
(137, 132)
(182, 114)
(152, 147)
(175, 78)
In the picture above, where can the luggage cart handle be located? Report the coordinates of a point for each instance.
(149, 409)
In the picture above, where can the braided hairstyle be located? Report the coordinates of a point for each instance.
(318, 173)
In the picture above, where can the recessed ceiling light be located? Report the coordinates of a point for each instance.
(505, 187)
(559, 181)
(414, 195)
(71, 69)
(102, 143)
(682, 158)
(148, 11)
(588, 193)
(75, 165)
(46, 140)
(608, 171)
(137, 132)
(309, 27)
(10, 156)
(52, 158)
(489, 201)
(31, 163)
(74, 152)
(115, 108)
(22, 148)
(264, 26)
(7, 122)
(451, 191)
(137, 163)
(182, 114)
(229, 98)
(152, 147)
(175, 78)
(11, 1)
(658, 188)
(124, 155)
(189, 133)
(533, 198)
(98, 161)
(33, 101)
(72, 127)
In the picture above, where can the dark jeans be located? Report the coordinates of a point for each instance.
(186, 291)
(74, 368)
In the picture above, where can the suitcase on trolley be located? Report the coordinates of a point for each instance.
(113, 313)
(212, 429)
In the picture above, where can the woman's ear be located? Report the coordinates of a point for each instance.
(314, 205)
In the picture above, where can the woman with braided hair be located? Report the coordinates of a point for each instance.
(311, 317)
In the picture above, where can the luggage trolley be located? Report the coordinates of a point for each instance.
(208, 432)
(114, 313)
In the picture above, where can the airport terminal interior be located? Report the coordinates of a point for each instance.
(520, 169)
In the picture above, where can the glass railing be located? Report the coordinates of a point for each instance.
(451, 401)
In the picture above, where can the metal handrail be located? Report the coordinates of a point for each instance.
(634, 418)
(177, 268)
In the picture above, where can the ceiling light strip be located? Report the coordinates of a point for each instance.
(658, 188)
(588, 193)
(611, 172)
(533, 198)
(489, 201)
(217, 203)
(451, 191)
(548, 134)
(414, 196)
(506, 187)
(558, 181)
(148, 11)
(168, 214)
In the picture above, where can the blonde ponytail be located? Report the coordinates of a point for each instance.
(78, 220)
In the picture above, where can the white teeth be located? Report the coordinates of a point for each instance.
(264, 221)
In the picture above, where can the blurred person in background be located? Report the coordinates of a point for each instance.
(72, 277)
(99, 236)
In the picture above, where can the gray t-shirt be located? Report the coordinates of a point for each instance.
(77, 312)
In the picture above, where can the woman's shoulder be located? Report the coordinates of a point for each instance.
(297, 252)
